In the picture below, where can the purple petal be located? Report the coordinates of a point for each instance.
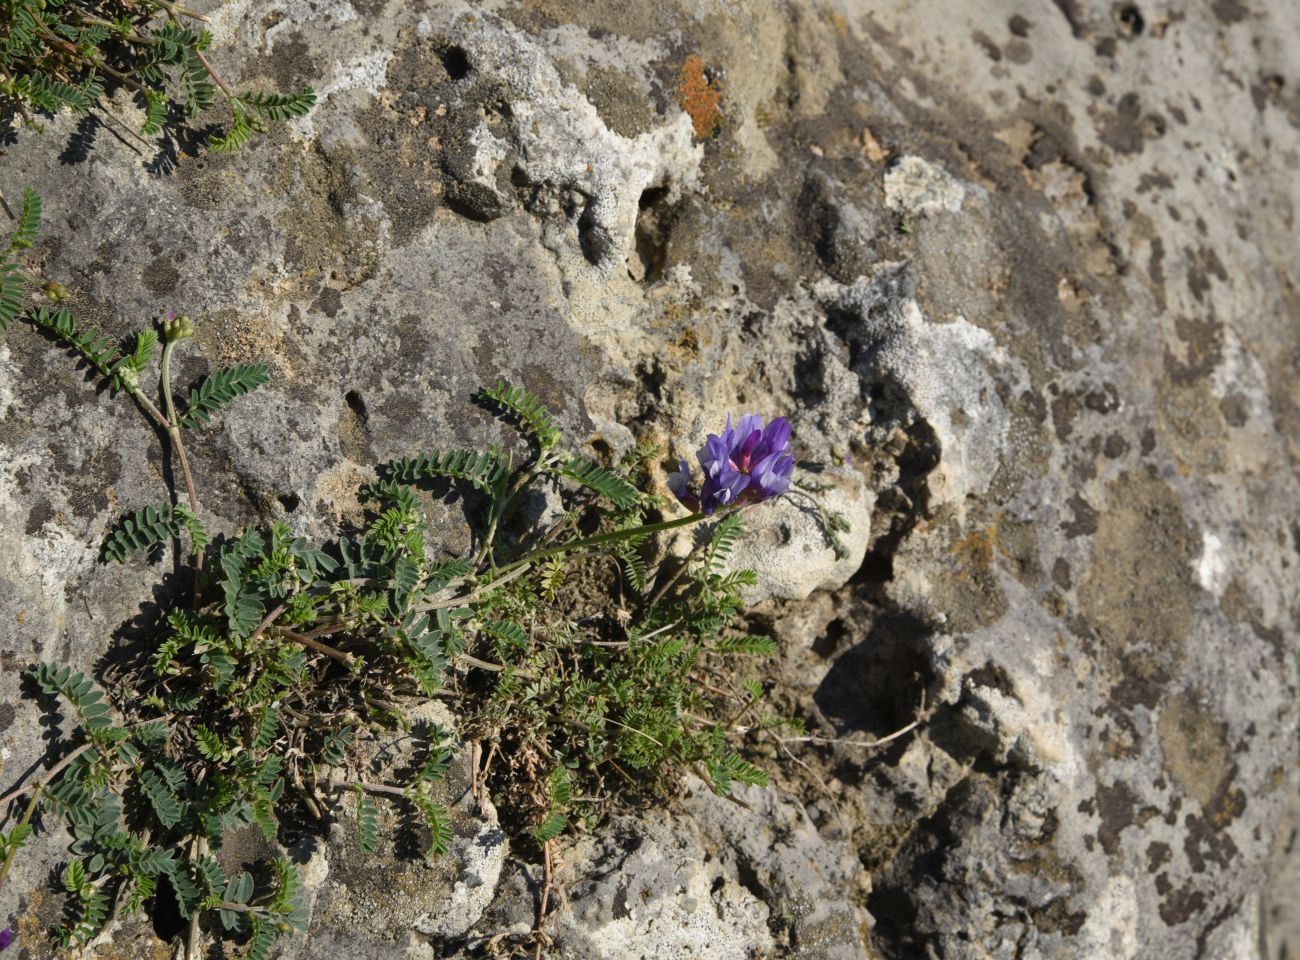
(724, 489)
(678, 484)
(749, 422)
(713, 456)
(743, 456)
(6, 938)
(772, 475)
(777, 435)
(677, 481)
(727, 434)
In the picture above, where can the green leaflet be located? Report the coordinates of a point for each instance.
(144, 529)
(591, 474)
(279, 106)
(526, 411)
(485, 469)
(723, 540)
(367, 821)
(13, 294)
(216, 391)
(758, 646)
(166, 806)
(29, 222)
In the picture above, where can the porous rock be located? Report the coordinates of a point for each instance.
(1029, 274)
(649, 890)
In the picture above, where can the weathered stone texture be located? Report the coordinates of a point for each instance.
(1022, 275)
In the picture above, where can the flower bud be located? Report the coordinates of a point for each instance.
(56, 292)
(176, 328)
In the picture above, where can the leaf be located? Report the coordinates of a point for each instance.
(551, 827)
(336, 742)
(155, 113)
(723, 540)
(88, 913)
(485, 469)
(268, 727)
(367, 821)
(509, 633)
(51, 94)
(166, 807)
(441, 575)
(264, 814)
(406, 576)
(209, 743)
(217, 390)
(279, 106)
(196, 84)
(95, 348)
(13, 294)
(759, 646)
(29, 222)
(74, 876)
(145, 341)
(591, 474)
(438, 820)
(145, 528)
(724, 766)
(243, 606)
(240, 132)
(527, 411)
(263, 939)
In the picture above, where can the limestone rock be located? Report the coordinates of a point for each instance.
(1068, 391)
(654, 891)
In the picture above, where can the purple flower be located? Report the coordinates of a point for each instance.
(747, 464)
(6, 938)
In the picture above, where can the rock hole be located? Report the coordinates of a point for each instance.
(831, 638)
(593, 238)
(290, 502)
(456, 62)
(1131, 22)
(356, 404)
(354, 428)
(166, 915)
(874, 686)
(653, 226)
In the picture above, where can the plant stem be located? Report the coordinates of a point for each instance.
(175, 10)
(612, 537)
(269, 619)
(492, 667)
(499, 509)
(173, 426)
(317, 646)
(515, 570)
(50, 774)
(192, 945)
(27, 818)
(368, 787)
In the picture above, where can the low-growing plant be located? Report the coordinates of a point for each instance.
(579, 672)
(65, 54)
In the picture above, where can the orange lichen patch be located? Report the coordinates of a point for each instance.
(700, 97)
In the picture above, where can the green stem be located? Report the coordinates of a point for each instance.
(174, 432)
(27, 818)
(612, 537)
(499, 509)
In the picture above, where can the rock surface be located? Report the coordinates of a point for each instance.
(1027, 270)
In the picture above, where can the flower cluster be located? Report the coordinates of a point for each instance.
(747, 464)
